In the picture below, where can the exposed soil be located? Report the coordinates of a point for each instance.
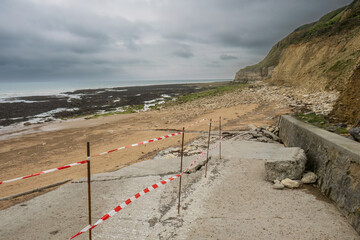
(347, 108)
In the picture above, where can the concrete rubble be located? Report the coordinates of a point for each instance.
(286, 163)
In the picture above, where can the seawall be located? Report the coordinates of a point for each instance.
(336, 161)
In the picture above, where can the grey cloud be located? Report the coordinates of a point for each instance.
(183, 53)
(144, 39)
(214, 64)
(228, 57)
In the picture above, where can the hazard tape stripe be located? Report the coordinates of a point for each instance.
(126, 203)
(140, 143)
(85, 161)
(137, 195)
(46, 171)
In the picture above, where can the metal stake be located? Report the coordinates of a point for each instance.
(181, 163)
(207, 154)
(89, 189)
(220, 137)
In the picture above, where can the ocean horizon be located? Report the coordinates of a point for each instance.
(43, 88)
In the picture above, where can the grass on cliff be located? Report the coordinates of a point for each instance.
(212, 92)
(321, 122)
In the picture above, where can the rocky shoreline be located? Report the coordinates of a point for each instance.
(39, 109)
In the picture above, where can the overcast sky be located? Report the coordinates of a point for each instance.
(144, 39)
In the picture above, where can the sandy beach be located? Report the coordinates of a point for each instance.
(45, 146)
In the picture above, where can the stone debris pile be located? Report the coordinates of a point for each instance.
(281, 97)
(261, 134)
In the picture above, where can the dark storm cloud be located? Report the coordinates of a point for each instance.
(144, 39)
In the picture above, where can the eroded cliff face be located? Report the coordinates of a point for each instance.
(322, 64)
(320, 56)
(251, 76)
(347, 107)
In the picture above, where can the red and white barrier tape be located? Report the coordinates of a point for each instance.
(85, 161)
(140, 143)
(138, 195)
(82, 162)
(46, 171)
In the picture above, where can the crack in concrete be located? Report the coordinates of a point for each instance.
(128, 177)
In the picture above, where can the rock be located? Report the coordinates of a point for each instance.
(27, 124)
(254, 133)
(355, 133)
(340, 125)
(309, 177)
(271, 135)
(278, 186)
(263, 139)
(290, 183)
(285, 163)
(331, 128)
(177, 149)
(252, 126)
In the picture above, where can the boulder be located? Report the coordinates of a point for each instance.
(285, 163)
(278, 186)
(309, 177)
(290, 183)
(355, 133)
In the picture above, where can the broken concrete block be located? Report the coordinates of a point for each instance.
(286, 163)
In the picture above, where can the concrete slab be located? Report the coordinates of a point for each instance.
(234, 202)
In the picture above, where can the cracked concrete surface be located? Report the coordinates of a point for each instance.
(234, 202)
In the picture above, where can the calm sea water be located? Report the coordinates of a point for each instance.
(16, 89)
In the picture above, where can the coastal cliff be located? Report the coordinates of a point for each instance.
(323, 55)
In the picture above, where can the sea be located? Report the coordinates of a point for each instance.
(12, 89)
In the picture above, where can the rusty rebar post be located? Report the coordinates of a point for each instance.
(89, 185)
(181, 163)
(208, 148)
(220, 137)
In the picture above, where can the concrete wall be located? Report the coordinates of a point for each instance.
(336, 161)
